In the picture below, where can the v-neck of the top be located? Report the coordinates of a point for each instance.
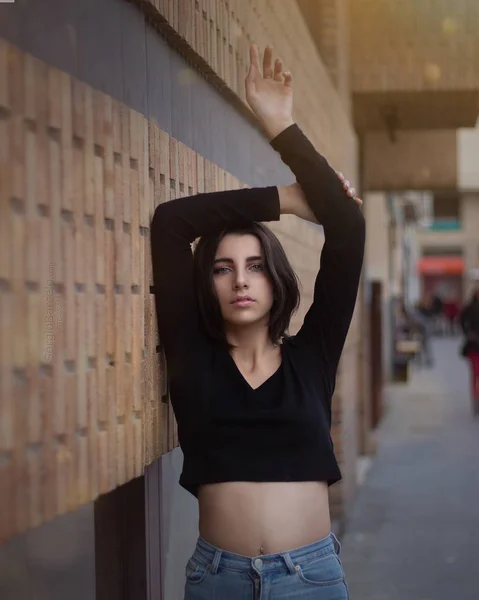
(267, 380)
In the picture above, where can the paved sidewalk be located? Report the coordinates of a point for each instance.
(414, 530)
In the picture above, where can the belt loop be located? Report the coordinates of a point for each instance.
(338, 544)
(289, 563)
(216, 561)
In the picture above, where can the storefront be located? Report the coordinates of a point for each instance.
(442, 276)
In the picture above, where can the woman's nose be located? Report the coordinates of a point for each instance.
(240, 281)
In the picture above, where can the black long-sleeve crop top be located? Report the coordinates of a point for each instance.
(227, 430)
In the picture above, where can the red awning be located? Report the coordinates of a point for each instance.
(441, 265)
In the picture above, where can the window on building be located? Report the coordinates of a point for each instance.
(446, 211)
(446, 205)
(442, 251)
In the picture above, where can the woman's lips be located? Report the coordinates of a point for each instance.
(243, 302)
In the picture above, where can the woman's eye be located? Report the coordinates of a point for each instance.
(257, 267)
(220, 270)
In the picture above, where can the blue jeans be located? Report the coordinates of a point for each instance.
(307, 573)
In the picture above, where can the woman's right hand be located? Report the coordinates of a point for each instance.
(293, 200)
(270, 94)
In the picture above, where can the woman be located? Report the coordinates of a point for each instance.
(253, 405)
(469, 319)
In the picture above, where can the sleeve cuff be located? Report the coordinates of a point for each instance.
(274, 212)
(284, 138)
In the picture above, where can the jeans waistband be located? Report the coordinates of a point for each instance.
(216, 557)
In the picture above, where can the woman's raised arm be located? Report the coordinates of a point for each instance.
(329, 199)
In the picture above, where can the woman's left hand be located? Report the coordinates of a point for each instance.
(270, 95)
(350, 191)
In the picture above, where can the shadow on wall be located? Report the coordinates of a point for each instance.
(53, 562)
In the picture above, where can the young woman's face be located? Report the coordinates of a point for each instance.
(244, 291)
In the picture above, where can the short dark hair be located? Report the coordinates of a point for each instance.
(284, 281)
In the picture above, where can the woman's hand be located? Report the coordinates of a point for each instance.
(292, 200)
(350, 191)
(270, 95)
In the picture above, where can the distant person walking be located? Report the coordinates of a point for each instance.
(437, 306)
(422, 317)
(469, 320)
(451, 312)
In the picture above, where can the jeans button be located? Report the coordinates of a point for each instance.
(258, 563)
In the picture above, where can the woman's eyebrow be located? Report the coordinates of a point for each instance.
(227, 260)
(230, 260)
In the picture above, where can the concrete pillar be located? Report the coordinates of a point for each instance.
(412, 279)
(470, 224)
(468, 158)
(378, 261)
(468, 179)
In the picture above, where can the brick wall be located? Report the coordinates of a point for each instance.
(81, 173)
(80, 409)
(346, 424)
(328, 22)
(223, 59)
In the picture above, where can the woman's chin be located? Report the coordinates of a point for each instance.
(244, 319)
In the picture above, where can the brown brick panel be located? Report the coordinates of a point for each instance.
(80, 401)
(83, 405)
(327, 21)
(223, 59)
(89, 377)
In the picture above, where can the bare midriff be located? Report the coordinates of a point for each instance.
(264, 518)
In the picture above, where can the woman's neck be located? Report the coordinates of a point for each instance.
(250, 344)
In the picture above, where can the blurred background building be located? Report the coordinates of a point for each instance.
(107, 108)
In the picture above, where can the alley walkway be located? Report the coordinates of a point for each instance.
(414, 530)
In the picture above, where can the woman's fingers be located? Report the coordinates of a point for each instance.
(253, 66)
(268, 63)
(270, 70)
(278, 70)
(254, 72)
(351, 192)
(254, 56)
